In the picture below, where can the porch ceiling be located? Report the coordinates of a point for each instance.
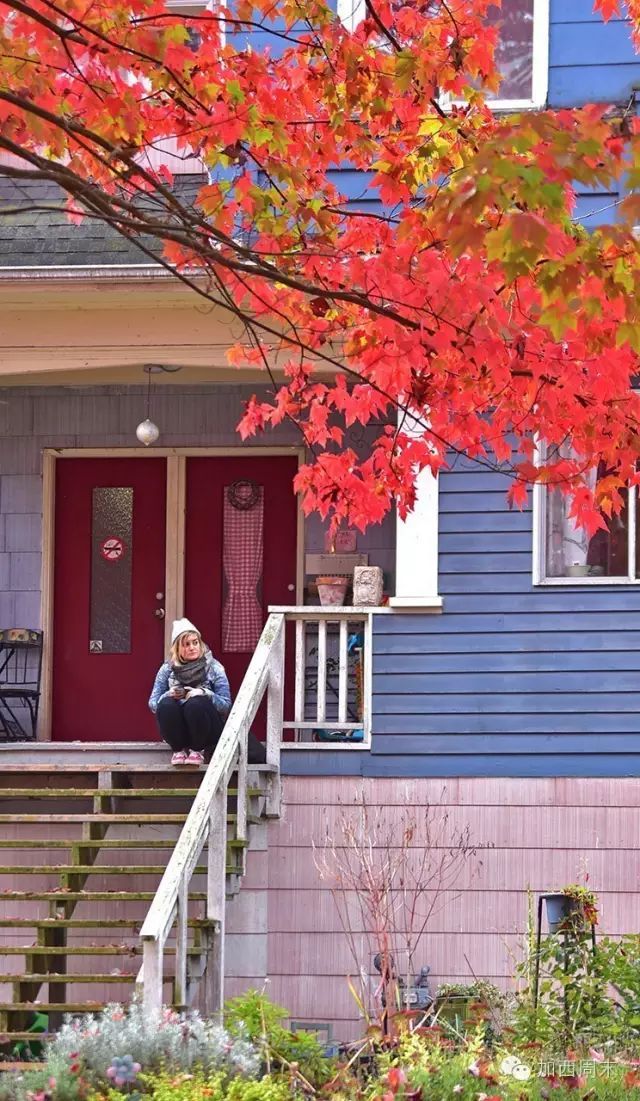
(57, 331)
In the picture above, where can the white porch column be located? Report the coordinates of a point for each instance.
(417, 546)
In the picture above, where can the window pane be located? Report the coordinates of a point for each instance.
(572, 553)
(111, 552)
(514, 56)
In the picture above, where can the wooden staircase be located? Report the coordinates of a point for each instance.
(83, 848)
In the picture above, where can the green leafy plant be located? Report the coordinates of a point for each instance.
(588, 992)
(587, 901)
(254, 1016)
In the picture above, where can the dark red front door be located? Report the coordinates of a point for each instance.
(240, 551)
(109, 580)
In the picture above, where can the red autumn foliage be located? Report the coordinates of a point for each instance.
(474, 311)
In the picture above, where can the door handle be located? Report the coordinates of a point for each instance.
(159, 613)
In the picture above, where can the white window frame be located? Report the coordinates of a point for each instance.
(540, 546)
(539, 68)
(351, 12)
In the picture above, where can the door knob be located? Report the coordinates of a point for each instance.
(159, 613)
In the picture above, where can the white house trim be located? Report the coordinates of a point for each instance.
(417, 542)
(417, 551)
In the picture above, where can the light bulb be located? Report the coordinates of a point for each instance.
(147, 432)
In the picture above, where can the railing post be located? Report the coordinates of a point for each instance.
(301, 663)
(367, 673)
(343, 669)
(321, 708)
(213, 986)
(275, 715)
(241, 798)
(152, 959)
(180, 990)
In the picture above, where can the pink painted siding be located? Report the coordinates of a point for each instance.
(283, 927)
(540, 834)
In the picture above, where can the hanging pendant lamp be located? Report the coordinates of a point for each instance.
(148, 432)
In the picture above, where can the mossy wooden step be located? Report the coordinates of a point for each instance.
(63, 977)
(88, 896)
(133, 950)
(98, 843)
(92, 869)
(88, 923)
(121, 793)
(48, 1007)
(13, 1065)
(12, 1037)
(103, 793)
(94, 843)
(29, 763)
(105, 819)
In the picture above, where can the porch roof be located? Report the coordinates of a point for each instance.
(35, 231)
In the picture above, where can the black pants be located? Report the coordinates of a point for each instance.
(194, 724)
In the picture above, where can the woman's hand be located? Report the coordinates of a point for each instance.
(194, 692)
(177, 692)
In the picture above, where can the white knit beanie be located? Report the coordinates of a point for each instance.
(180, 627)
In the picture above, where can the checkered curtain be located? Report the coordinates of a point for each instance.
(242, 618)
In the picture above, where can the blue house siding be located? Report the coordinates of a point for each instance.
(510, 680)
(589, 61)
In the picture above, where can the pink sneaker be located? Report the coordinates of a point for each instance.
(194, 758)
(179, 758)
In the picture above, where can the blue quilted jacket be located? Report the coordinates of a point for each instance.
(216, 686)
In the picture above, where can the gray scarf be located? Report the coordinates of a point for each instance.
(188, 674)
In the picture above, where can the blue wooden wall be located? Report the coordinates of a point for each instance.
(589, 61)
(511, 680)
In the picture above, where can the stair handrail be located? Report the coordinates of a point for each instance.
(207, 819)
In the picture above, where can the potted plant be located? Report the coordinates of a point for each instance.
(332, 589)
(572, 909)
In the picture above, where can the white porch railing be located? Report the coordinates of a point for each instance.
(332, 700)
(207, 822)
(334, 674)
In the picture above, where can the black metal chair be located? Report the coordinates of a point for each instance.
(20, 672)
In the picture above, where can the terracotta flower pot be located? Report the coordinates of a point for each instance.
(332, 590)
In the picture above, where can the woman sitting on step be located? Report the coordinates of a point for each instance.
(190, 696)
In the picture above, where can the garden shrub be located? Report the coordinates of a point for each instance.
(157, 1041)
(254, 1016)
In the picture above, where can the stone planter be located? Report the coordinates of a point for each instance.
(367, 586)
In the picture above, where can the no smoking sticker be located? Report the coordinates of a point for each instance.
(112, 548)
